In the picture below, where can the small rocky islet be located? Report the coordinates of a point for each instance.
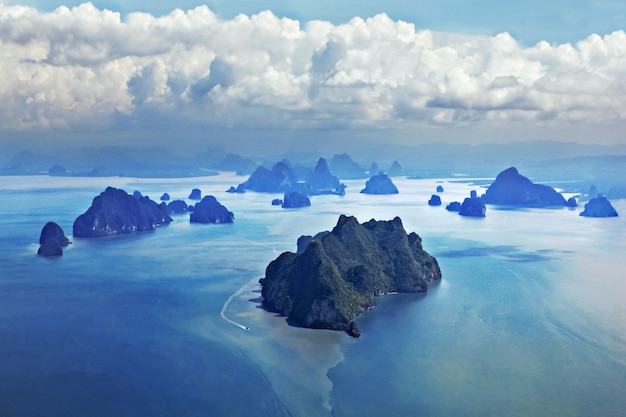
(52, 240)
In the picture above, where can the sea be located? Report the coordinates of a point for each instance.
(529, 318)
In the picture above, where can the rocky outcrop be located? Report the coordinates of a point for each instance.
(295, 199)
(195, 194)
(336, 275)
(52, 240)
(454, 206)
(321, 181)
(116, 212)
(165, 197)
(209, 210)
(440, 189)
(435, 200)
(177, 207)
(380, 184)
(279, 180)
(473, 206)
(599, 206)
(571, 202)
(511, 188)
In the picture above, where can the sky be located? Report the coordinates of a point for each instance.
(189, 73)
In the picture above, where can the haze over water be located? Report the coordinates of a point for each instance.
(528, 319)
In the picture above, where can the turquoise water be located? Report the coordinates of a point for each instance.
(528, 320)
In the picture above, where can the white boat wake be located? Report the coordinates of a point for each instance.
(254, 242)
(225, 306)
(240, 290)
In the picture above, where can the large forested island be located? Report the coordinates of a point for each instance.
(336, 275)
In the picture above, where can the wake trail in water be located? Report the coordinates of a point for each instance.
(240, 290)
(225, 306)
(254, 242)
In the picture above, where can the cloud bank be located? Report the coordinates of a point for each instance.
(88, 67)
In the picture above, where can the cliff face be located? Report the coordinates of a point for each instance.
(336, 275)
(115, 212)
(511, 188)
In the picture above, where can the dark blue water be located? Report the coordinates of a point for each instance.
(528, 320)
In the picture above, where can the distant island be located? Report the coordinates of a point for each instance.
(599, 206)
(513, 189)
(210, 211)
(279, 179)
(282, 178)
(116, 212)
(380, 184)
(336, 275)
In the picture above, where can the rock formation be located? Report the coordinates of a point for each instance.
(435, 200)
(52, 240)
(599, 206)
(115, 212)
(511, 188)
(440, 189)
(380, 184)
(195, 194)
(277, 202)
(454, 206)
(337, 275)
(165, 197)
(321, 181)
(571, 202)
(473, 206)
(209, 210)
(295, 199)
(280, 179)
(177, 207)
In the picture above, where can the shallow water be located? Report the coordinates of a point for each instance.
(528, 319)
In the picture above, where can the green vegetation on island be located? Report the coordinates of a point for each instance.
(337, 275)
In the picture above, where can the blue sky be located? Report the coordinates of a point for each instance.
(401, 71)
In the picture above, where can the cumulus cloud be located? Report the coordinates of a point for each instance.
(85, 66)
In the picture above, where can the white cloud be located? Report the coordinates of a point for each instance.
(84, 66)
